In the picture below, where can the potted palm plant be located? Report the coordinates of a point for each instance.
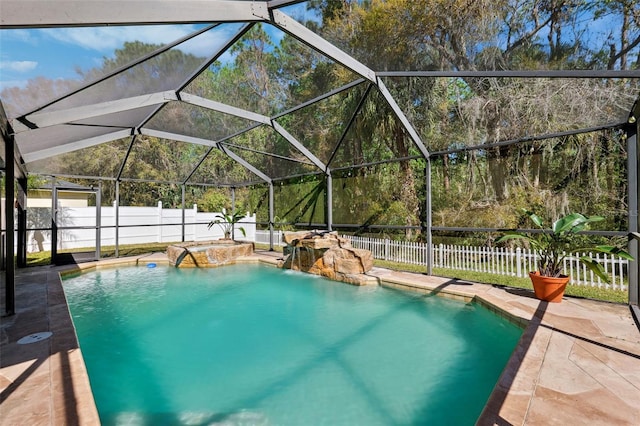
(553, 247)
(227, 222)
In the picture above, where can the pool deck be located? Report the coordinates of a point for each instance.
(577, 363)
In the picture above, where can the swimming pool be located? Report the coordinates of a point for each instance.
(251, 344)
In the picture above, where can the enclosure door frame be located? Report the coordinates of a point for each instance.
(82, 256)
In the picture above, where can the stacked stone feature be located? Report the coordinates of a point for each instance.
(325, 253)
(207, 255)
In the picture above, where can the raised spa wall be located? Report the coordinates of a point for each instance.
(207, 255)
(325, 253)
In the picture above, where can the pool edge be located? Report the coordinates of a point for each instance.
(541, 374)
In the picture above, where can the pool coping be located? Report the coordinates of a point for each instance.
(578, 362)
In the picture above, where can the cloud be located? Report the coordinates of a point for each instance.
(21, 35)
(101, 39)
(106, 39)
(206, 44)
(18, 66)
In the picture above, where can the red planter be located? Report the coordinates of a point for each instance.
(550, 289)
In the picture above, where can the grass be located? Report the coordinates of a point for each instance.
(608, 295)
(44, 257)
(596, 293)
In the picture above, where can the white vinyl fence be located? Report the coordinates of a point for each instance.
(494, 260)
(137, 225)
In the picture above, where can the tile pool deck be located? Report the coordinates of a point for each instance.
(578, 362)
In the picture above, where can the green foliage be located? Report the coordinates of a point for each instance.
(268, 72)
(595, 293)
(553, 247)
(226, 222)
(213, 200)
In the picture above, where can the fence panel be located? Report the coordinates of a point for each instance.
(494, 260)
(137, 225)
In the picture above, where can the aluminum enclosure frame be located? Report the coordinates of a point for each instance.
(69, 13)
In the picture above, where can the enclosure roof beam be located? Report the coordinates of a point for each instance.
(282, 3)
(346, 129)
(73, 146)
(320, 98)
(318, 175)
(267, 154)
(300, 106)
(216, 55)
(347, 169)
(311, 39)
(70, 115)
(245, 164)
(293, 141)
(204, 142)
(127, 67)
(205, 65)
(68, 176)
(66, 13)
(6, 137)
(403, 119)
(517, 74)
(224, 108)
(195, 168)
(123, 164)
(241, 132)
(527, 139)
(176, 137)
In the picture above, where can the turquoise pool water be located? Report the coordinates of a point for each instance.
(250, 344)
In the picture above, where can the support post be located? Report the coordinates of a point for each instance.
(3, 256)
(21, 198)
(271, 216)
(329, 213)
(633, 162)
(428, 220)
(184, 206)
(233, 212)
(10, 284)
(54, 220)
(117, 218)
(99, 221)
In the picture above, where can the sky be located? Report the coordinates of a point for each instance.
(55, 53)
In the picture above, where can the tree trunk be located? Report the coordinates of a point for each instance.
(446, 184)
(498, 169)
(408, 195)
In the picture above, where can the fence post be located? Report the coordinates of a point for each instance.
(159, 221)
(194, 227)
(386, 248)
(518, 262)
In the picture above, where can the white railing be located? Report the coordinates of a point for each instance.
(494, 260)
(262, 237)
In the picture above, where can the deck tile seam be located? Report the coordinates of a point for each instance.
(607, 335)
(586, 347)
(536, 382)
(603, 340)
(50, 346)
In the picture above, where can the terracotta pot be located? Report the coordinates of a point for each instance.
(550, 289)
